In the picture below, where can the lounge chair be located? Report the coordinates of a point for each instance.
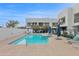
(74, 42)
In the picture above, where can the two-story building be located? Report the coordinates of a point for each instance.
(69, 19)
(41, 22)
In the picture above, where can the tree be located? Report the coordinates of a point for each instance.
(11, 23)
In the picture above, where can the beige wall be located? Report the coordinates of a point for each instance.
(63, 14)
(76, 8)
(68, 14)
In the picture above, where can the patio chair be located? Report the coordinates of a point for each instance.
(74, 42)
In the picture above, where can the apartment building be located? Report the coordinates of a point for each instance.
(42, 22)
(69, 19)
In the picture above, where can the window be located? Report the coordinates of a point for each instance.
(62, 20)
(46, 24)
(40, 24)
(34, 23)
(76, 18)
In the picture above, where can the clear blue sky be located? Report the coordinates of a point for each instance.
(22, 11)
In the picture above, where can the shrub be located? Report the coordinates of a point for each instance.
(65, 34)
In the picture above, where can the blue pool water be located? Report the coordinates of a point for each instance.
(30, 40)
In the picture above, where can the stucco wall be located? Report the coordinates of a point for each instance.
(6, 32)
(63, 13)
(69, 18)
(76, 8)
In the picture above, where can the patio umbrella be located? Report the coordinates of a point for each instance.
(49, 29)
(58, 30)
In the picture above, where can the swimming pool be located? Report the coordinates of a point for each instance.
(30, 40)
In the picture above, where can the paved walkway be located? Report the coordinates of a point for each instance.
(54, 48)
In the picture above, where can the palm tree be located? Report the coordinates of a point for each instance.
(11, 23)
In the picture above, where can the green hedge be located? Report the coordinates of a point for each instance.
(40, 27)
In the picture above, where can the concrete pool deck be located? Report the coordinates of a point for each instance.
(54, 48)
